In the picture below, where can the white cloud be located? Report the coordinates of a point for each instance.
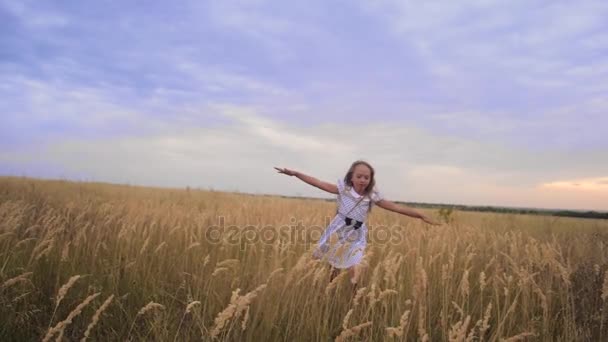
(65, 104)
(217, 79)
(597, 41)
(34, 17)
(282, 136)
(412, 164)
(585, 184)
(528, 42)
(256, 21)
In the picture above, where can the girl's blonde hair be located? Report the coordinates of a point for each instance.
(372, 181)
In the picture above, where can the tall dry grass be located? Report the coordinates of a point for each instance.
(65, 246)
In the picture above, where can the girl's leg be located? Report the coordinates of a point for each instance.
(354, 278)
(333, 273)
(356, 272)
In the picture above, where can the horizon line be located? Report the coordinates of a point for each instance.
(209, 188)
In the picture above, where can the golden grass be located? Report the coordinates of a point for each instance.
(96, 317)
(61, 326)
(165, 276)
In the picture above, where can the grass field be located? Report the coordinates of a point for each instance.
(114, 263)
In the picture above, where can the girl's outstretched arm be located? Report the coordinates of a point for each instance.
(329, 187)
(405, 210)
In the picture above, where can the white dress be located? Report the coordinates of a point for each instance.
(344, 245)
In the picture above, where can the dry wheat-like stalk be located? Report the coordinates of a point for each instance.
(565, 272)
(245, 319)
(420, 295)
(206, 261)
(65, 253)
(543, 300)
(352, 331)
(308, 274)
(371, 295)
(445, 276)
(238, 304)
(17, 279)
(375, 279)
(391, 266)
(96, 317)
(174, 229)
(41, 246)
(459, 309)
(219, 271)
(471, 336)
(346, 319)
(358, 271)
(42, 249)
(46, 251)
(332, 285)
(399, 330)
(20, 297)
(193, 245)
(160, 247)
(144, 247)
(24, 241)
(231, 263)
(485, 323)
(189, 308)
(273, 274)
(296, 270)
(63, 290)
(518, 337)
(6, 234)
(458, 332)
(320, 276)
(360, 293)
(60, 327)
(464, 284)
(235, 295)
(192, 305)
(31, 229)
(605, 287)
(385, 294)
(148, 307)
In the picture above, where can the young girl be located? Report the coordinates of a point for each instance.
(343, 241)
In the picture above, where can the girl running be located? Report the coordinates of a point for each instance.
(345, 238)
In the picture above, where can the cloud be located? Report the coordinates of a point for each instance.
(38, 112)
(218, 80)
(280, 135)
(34, 17)
(523, 42)
(585, 184)
(412, 163)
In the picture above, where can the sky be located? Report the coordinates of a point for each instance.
(474, 102)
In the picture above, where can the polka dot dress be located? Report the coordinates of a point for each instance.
(343, 245)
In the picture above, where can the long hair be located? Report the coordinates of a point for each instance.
(372, 181)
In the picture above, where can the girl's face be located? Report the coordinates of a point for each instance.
(361, 178)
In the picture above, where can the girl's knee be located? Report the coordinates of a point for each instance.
(354, 276)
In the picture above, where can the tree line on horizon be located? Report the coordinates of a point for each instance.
(592, 214)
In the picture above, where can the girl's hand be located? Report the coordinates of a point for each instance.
(430, 221)
(286, 171)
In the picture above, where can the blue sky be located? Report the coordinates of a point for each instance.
(474, 102)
